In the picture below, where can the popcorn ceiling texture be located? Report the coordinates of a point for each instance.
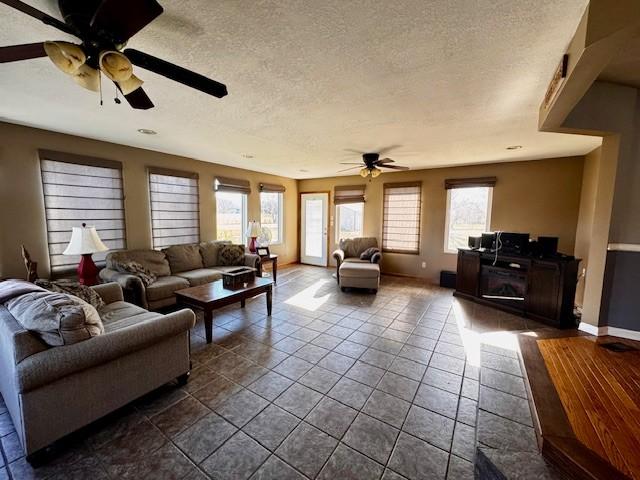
(451, 82)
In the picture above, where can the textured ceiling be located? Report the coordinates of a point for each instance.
(450, 82)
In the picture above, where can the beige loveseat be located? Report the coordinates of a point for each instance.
(176, 267)
(351, 270)
(53, 391)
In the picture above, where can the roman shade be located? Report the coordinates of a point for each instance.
(348, 194)
(401, 217)
(175, 207)
(469, 182)
(271, 188)
(77, 190)
(226, 184)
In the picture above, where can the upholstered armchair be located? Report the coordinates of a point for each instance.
(350, 249)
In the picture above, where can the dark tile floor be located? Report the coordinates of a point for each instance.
(332, 386)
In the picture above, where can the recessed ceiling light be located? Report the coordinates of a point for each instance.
(146, 131)
(246, 155)
(514, 147)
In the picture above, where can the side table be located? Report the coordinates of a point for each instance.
(273, 259)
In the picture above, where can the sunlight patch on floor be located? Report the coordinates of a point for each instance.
(308, 298)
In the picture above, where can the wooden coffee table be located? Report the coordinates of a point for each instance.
(213, 295)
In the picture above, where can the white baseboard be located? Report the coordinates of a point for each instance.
(611, 331)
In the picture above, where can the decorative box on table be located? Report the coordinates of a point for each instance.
(238, 277)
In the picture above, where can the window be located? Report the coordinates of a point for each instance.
(468, 214)
(175, 210)
(468, 210)
(231, 216)
(401, 219)
(80, 190)
(349, 201)
(349, 220)
(271, 214)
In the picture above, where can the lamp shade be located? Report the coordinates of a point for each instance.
(84, 240)
(254, 229)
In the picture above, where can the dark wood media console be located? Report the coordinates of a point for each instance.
(541, 289)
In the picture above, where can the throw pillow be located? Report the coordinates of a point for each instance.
(183, 258)
(231, 255)
(368, 253)
(210, 252)
(56, 318)
(137, 269)
(74, 288)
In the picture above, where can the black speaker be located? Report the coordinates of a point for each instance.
(548, 246)
(488, 240)
(475, 242)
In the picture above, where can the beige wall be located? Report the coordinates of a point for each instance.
(22, 214)
(584, 229)
(540, 197)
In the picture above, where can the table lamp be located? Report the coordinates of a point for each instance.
(254, 231)
(85, 241)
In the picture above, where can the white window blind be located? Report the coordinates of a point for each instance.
(80, 190)
(401, 221)
(175, 208)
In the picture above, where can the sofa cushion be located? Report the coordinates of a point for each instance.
(353, 247)
(120, 314)
(164, 287)
(15, 339)
(183, 258)
(231, 255)
(210, 251)
(368, 253)
(359, 270)
(74, 288)
(153, 260)
(201, 276)
(56, 318)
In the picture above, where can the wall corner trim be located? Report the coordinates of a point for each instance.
(609, 331)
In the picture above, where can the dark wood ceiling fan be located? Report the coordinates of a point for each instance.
(104, 27)
(371, 164)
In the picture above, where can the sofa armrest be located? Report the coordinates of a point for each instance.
(376, 257)
(339, 256)
(252, 260)
(109, 292)
(55, 363)
(132, 285)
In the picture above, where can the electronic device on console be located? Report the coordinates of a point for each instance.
(475, 242)
(487, 241)
(513, 243)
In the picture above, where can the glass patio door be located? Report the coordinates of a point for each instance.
(313, 226)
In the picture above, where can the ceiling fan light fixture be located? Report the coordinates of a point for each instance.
(129, 85)
(364, 173)
(375, 172)
(116, 66)
(87, 77)
(68, 57)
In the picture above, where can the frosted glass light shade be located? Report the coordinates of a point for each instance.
(84, 240)
(254, 229)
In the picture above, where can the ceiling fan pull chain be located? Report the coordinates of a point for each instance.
(117, 99)
(100, 85)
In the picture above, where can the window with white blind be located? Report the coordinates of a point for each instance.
(79, 190)
(175, 207)
(401, 220)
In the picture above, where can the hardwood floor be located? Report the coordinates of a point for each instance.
(600, 392)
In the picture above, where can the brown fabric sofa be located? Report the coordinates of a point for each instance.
(351, 270)
(53, 391)
(176, 267)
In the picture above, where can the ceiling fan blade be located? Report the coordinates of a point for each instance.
(350, 168)
(384, 150)
(351, 150)
(138, 99)
(352, 163)
(27, 51)
(37, 14)
(386, 160)
(394, 167)
(176, 73)
(122, 19)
